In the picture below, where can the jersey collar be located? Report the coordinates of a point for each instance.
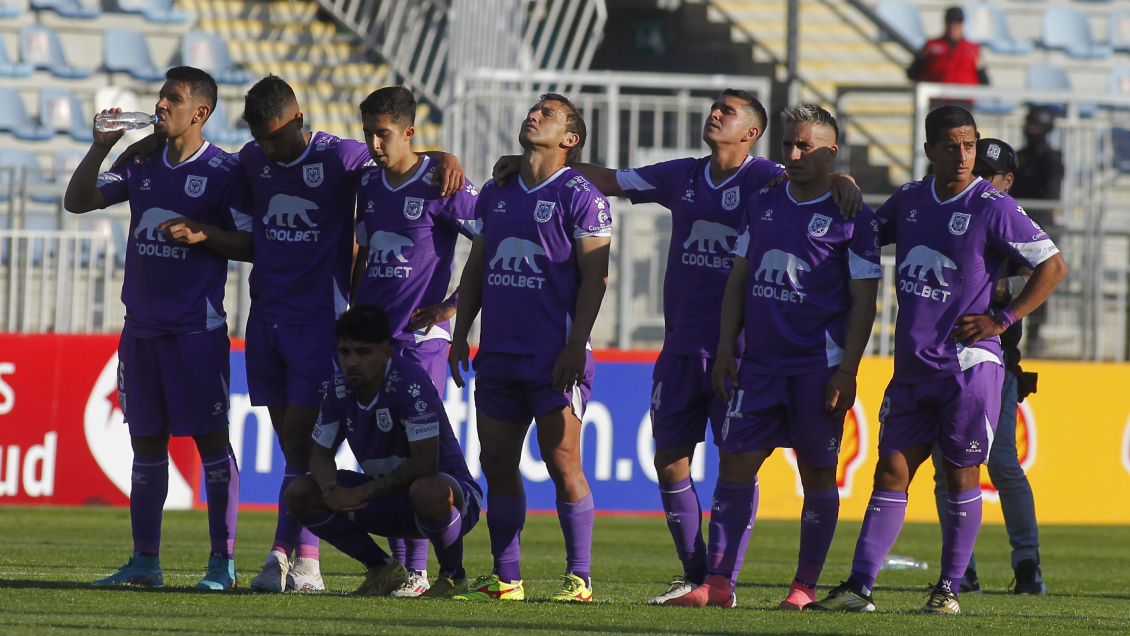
(388, 367)
(419, 173)
(823, 197)
(964, 192)
(194, 157)
(541, 185)
(302, 157)
(710, 182)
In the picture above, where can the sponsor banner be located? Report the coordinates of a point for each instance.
(63, 440)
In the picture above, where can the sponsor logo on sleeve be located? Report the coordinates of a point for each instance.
(215, 161)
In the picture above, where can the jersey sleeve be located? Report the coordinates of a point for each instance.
(328, 431)
(886, 215)
(654, 183)
(764, 172)
(1011, 231)
(419, 407)
(482, 203)
(458, 210)
(362, 233)
(752, 208)
(354, 158)
(236, 204)
(114, 185)
(591, 215)
(863, 248)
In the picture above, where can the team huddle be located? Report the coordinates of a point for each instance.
(769, 301)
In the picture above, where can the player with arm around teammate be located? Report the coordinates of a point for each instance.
(706, 198)
(953, 233)
(538, 270)
(406, 235)
(415, 480)
(173, 358)
(803, 287)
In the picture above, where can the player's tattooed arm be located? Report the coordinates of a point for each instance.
(470, 302)
(423, 461)
(234, 245)
(847, 194)
(970, 329)
(733, 318)
(82, 193)
(429, 316)
(449, 175)
(842, 387)
(592, 261)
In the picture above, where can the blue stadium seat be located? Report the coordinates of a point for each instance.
(218, 130)
(11, 9)
(8, 68)
(1045, 77)
(27, 166)
(40, 47)
(904, 18)
(126, 50)
(987, 25)
(1119, 22)
(160, 11)
(14, 118)
(1066, 28)
(68, 8)
(60, 110)
(210, 53)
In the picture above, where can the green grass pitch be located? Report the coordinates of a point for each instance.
(47, 556)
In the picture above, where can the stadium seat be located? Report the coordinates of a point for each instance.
(68, 8)
(218, 129)
(1045, 77)
(26, 166)
(904, 18)
(11, 8)
(8, 68)
(987, 25)
(210, 53)
(1068, 29)
(160, 11)
(126, 50)
(1119, 22)
(14, 118)
(40, 47)
(61, 111)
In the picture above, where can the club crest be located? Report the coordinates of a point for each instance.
(313, 174)
(384, 420)
(731, 198)
(819, 225)
(544, 211)
(194, 186)
(959, 223)
(413, 208)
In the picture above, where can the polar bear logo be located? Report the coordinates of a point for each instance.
(385, 244)
(514, 250)
(709, 234)
(149, 222)
(285, 207)
(783, 264)
(922, 259)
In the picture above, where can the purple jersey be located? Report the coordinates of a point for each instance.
(704, 223)
(801, 257)
(949, 255)
(532, 279)
(407, 409)
(303, 225)
(169, 287)
(410, 232)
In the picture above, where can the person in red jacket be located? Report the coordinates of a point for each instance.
(950, 59)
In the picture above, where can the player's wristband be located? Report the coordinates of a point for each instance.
(1007, 316)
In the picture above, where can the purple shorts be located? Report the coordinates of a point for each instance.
(392, 516)
(287, 364)
(959, 412)
(176, 384)
(784, 411)
(432, 355)
(682, 398)
(518, 388)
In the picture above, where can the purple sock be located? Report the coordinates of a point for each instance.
(506, 516)
(684, 520)
(398, 550)
(289, 533)
(147, 500)
(959, 534)
(729, 521)
(744, 543)
(221, 487)
(448, 543)
(576, 524)
(348, 537)
(881, 525)
(413, 553)
(818, 519)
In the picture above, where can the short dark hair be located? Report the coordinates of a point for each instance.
(364, 323)
(811, 114)
(945, 118)
(200, 83)
(396, 101)
(267, 100)
(574, 123)
(753, 106)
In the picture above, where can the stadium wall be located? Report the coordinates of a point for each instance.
(63, 440)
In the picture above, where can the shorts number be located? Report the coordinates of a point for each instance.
(736, 403)
(655, 401)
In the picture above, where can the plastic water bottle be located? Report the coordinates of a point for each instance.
(110, 122)
(896, 562)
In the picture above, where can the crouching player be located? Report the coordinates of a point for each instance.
(415, 481)
(803, 287)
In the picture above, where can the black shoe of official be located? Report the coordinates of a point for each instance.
(969, 583)
(1028, 579)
